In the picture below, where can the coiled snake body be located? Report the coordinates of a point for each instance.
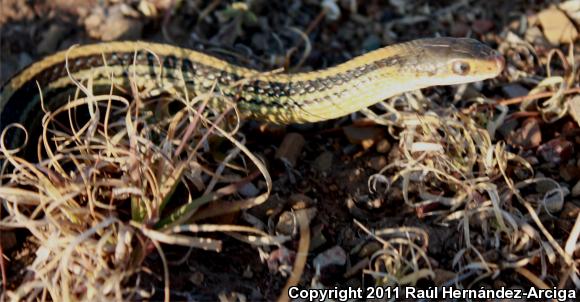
(275, 97)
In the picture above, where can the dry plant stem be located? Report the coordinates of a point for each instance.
(522, 114)
(520, 99)
(532, 278)
(308, 30)
(166, 17)
(301, 256)
(563, 59)
(2, 266)
(206, 11)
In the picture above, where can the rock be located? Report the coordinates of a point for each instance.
(112, 24)
(482, 26)
(51, 39)
(8, 239)
(333, 256)
(377, 163)
(266, 129)
(318, 239)
(249, 190)
(93, 23)
(280, 257)
(574, 107)
(356, 268)
(528, 136)
(271, 207)
(569, 172)
(301, 201)
(557, 26)
(248, 273)
(568, 216)
(514, 90)
(121, 28)
(287, 221)
(369, 249)
(323, 162)
(197, 278)
(290, 148)
(556, 150)
(442, 277)
(572, 9)
(72, 7)
(383, 146)
(576, 190)
(364, 136)
(372, 42)
(553, 202)
(508, 127)
(570, 210)
(570, 128)
(459, 29)
(535, 36)
(162, 5)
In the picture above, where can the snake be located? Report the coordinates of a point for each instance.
(276, 97)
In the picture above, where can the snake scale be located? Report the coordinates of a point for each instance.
(275, 97)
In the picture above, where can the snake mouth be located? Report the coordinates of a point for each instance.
(499, 61)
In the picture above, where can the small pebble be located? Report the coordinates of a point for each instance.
(51, 39)
(576, 189)
(249, 190)
(570, 210)
(556, 150)
(383, 146)
(569, 172)
(290, 148)
(364, 136)
(301, 201)
(528, 136)
(317, 239)
(482, 26)
(459, 29)
(248, 273)
(286, 223)
(372, 42)
(369, 249)
(197, 278)
(333, 256)
(557, 26)
(514, 90)
(323, 162)
(8, 239)
(442, 276)
(377, 162)
(574, 105)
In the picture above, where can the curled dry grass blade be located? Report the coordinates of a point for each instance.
(451, 169)
(402, 260)
(103, 193)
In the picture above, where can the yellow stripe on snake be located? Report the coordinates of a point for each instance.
(275, 97)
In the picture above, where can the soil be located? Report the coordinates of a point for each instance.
(330, 170)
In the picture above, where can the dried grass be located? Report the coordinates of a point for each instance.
(452, 169)
(103, 196)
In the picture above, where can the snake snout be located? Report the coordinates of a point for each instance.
(498, 58)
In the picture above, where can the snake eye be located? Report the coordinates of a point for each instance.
(460, 67)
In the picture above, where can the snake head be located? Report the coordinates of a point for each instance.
(449, 61)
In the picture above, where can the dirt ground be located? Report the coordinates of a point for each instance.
(331, 172)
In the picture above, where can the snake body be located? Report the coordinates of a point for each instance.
(276, 97)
